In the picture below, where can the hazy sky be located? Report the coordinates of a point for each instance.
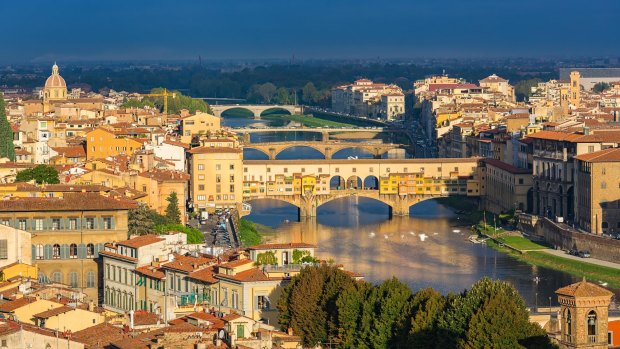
(40, 31)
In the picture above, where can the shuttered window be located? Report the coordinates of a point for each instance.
(4, 249)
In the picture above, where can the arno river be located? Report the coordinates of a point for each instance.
(358, 233)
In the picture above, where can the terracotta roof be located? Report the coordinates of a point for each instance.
(434, 87)
(53, 312)
(118, 255)
(140, 241)
(606, 155)
(555, 136)
(236, 263)
(177, 143)
(507, 167)
(142, 317)
(584, 289)
(203, 150)
(164, 175)
(69, 202)
(151, 271)
(493, 78)
(205, 274)
(188, 263)
(71, 152)
(251, 275)
(16, 304)
(99, 336)
(281, 246)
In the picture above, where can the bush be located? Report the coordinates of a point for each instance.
(194, 236)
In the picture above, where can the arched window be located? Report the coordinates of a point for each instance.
(57, 277)
(56, 251)
(39, 251)
(90, 251)
(592, 327)
(73, 279)
(90, 279)
(42, 278)
(73, 251)
(569, 330)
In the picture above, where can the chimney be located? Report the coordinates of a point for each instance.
(586, 130)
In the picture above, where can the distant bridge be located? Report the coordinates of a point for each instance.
(399, 183)
(246, 131)
(256, 109)
(327, 148)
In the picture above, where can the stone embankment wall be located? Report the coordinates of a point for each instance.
(566, 238)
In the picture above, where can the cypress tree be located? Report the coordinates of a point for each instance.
(172, 210)
(7, 148)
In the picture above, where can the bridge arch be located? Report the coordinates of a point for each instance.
(336, 182)
(316, 154)
(276, 110)
(344, 153)
(354, 182)
(371, 182)
(237, 112)
(250, 153)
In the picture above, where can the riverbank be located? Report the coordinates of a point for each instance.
(251, 233)
(596, 273)
(524, 249)
(306, 120)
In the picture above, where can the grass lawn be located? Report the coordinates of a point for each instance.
(521, 243)
(306, 120)
(248, 233)
(592, 272)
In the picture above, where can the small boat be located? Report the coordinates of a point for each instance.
(412, 233)
(476, 240)
(456, 231)
(385, 236)
(422, 236)
(371, 234)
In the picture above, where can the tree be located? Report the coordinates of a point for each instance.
(267, 258)
(140, 220)
(7, 148)
(267, 91)
(173, 214)
(194, 236)
(600, 87)
(40, 174)
(421, 331)
(308, 303)
(283, 96)
(309, 93)
(135, 103)
(523, 88)
(177, 103)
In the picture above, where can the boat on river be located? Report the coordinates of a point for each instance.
(476, 239)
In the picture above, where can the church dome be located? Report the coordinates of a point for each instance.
(55, 80)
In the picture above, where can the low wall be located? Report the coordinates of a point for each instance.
(564, 238)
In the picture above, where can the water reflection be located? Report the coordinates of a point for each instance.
(357, 233)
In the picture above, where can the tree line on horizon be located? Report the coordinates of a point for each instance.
(323, 304)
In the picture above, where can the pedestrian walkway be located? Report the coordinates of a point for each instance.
(560, 253)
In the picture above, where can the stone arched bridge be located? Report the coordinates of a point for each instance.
(256, 109)
(308, 202)
(328, 148)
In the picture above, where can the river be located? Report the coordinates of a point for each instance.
(358, 233)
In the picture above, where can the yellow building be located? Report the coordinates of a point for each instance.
(216, 178)
(14, 245)
(18, 270)
(101, 143)
(68, 233)
(597, 193)
(198, 124)
(575, 89)
(68, 318)
(506, 187)
(159, 184)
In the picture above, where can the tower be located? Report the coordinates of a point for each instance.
(575, 89)
(583, 313)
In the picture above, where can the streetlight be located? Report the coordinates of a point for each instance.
(549, 304)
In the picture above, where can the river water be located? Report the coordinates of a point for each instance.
(358, 233)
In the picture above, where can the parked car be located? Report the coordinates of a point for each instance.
(584, 254)
(573, 252)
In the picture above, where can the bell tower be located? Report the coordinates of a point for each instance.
(583, 315)
(575, 88)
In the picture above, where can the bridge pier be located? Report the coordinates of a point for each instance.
(246, 137)
(328, 153)
(272, 154)
(324, 136)
(307, 206)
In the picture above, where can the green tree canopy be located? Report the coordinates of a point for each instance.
(177, 103)
(135, 103)
(523, 88)
(310, 93)
(600, 87)
(140, 221)
(267, 91)
(194, 236)
(173, 214)
(267, 258)
(308, 303)
(40, 174)
(7, 148)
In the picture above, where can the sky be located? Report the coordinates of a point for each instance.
(40, 31)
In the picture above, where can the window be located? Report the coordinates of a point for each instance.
(38, 224)
(262, 302)
(218, 178)
(592, 327)
(590, 149)
(73, 279)
(201, 187)
(107, 223)
(218, 167)
(232, 188)
(232, 167)
(235, 300)
(55, 223)
(72, 223)
(286, 170)
(201, 197)
(4, 249)
(603, 185)
(73, 251)
(56, 251)
(90, 223)
(39, 251)
(201, 167)
(57, 277)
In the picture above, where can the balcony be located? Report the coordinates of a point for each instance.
(591, 339)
